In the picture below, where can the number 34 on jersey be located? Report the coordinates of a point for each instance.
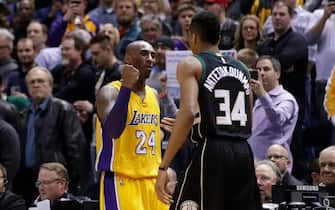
(238, 111)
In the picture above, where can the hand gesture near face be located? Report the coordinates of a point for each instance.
(130, 76)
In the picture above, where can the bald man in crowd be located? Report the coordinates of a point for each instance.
(279, 155)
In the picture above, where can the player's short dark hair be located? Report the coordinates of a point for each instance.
(275, 63)
(207, 26)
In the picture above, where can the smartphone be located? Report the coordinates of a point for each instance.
(254, 74)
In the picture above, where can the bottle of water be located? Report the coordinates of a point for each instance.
(77, 22)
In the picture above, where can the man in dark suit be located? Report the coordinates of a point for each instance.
(279, 155)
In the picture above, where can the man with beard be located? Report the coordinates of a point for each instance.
(16, 84)
(108, 67)
(126, 16)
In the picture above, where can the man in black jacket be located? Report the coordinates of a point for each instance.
(8, 200)
(290, 48)
(9, 150)
(51, 132)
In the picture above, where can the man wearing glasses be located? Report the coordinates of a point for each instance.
(279, 155)
(53, 182)
(8, 200)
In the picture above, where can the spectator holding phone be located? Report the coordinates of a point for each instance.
(275, 112)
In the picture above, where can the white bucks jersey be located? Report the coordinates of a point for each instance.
(224, 101)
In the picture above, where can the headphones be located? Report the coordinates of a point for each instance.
(5, 181)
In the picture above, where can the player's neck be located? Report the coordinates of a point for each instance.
(208, 47)
(140, 92)
(140, 87)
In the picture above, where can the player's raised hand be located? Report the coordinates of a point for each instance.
(130, 76)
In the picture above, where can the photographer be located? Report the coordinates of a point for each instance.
(275, 112)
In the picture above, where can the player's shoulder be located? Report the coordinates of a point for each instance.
(191, 60)
(109, 90)
(114, 84)
(191, 63)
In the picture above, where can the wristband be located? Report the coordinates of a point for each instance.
(161, 168)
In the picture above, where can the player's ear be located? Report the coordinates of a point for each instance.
(127, 59)
(278, 74)
(192, 36)
(219, 40)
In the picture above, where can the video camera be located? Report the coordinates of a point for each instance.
(303, 197)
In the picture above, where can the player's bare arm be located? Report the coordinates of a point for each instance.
(188, 74)
(113, 105)
(105, 100)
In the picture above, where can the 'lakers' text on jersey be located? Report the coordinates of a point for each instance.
(224, 97)
(137, 152)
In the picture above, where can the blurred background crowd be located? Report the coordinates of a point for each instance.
(80, 44)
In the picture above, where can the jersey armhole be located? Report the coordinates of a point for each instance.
(203, 66)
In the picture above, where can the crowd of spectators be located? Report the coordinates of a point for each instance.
(55, 55)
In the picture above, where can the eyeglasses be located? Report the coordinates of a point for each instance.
(330, 165)
(75, 2)
(147, 30)
(38, 81)
(276, 157)
(4, 46)
(46, 182)
(149, 1)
